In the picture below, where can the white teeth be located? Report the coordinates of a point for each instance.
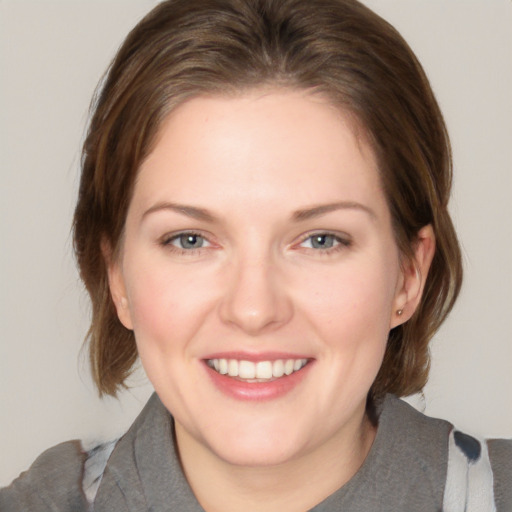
(223, 366)
(278, 368)
(233, 368)
(263, 370)
(246, 370)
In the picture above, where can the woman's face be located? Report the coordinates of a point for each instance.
(260, 274)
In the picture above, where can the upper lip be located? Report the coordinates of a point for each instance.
(255, 357)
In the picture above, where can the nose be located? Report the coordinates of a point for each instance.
(256, 300)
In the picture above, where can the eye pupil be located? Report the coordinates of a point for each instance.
(322, 241)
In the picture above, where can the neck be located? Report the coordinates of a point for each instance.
(291, 486)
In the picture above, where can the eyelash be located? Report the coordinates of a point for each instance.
(339, 243)
(167, 241)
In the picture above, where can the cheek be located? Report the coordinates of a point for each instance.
(351, 296)
(166, 306)
(350, 310)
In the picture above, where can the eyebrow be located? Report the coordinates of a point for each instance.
(298, 216)
(189, 211)
(317, 211)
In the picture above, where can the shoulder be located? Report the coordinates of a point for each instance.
(481, 470)
(65, 478)
(500, 455)
(94, 466)
(476, 472)
(53, 482)
(413, 449)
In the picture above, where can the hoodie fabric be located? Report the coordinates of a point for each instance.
(416, 464)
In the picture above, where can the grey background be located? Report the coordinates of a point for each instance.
(52, 54)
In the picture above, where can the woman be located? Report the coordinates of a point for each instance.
(262, 218)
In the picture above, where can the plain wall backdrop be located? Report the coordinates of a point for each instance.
(52, 54)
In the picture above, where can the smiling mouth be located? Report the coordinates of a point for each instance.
(262, 371)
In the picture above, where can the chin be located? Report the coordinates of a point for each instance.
(258, 443)
(257, 454)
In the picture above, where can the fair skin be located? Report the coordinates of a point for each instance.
(258, 232)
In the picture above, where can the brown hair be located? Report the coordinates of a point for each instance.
(340, 48)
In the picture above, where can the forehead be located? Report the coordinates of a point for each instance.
(257, 145)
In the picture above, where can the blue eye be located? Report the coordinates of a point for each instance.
(324, 241)
(188, 241)
(321, 241)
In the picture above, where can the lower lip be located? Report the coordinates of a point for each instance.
(257, 391)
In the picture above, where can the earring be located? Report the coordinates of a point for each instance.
(399, 312)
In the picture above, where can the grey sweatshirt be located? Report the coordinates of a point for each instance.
(408, 467)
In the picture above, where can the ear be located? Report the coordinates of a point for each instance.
(413, 277)
(117, 285)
